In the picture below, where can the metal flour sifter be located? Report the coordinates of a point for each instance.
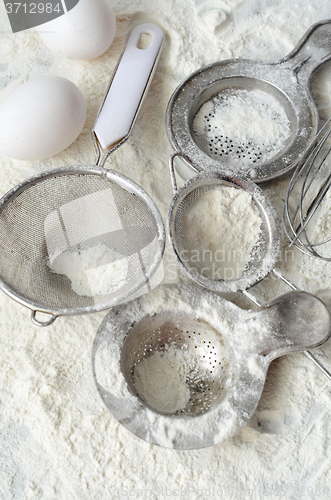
(228, 352)
(77, 208)
(283, 85)
(263, 256)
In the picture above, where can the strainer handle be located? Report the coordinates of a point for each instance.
(128, 87)
(42, 323)
(313, 50)
(289, 283)
(181, 155)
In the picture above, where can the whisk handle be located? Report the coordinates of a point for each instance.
(312, 51)
(128, 87)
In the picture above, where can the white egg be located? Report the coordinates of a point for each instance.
(85, 32)
(40, 118)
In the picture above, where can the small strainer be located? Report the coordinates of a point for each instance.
(263, 256)
(183, 368)
(254, 117)
(77, 209)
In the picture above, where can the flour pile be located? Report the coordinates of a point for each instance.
(160, 379)
(221, 231)
(249, 126)
(94, 271)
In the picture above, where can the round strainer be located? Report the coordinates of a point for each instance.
(253, 117)
(260, 259)
(183, 368)
(75, 212)
(263, 255)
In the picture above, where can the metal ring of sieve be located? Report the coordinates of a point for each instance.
(268, 245)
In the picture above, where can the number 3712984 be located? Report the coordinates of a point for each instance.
(32, 8)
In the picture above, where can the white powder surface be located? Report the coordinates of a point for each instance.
(247, 125)
(221, 229)
(57, 440)
(160, 379)
(93, 271)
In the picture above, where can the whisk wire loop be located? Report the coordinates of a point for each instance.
(307, 189)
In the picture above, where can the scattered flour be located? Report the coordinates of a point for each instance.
(249, 126)
(57, 439)
(221, 229)
(96, 270)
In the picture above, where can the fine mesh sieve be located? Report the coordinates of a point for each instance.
(255, 118)
(263, 256)
(180, 338)
(78, 208)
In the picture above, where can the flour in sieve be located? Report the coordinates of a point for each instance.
(61, 442)
(221, 229)
(160, 379)
(96, 270)
(248, 126)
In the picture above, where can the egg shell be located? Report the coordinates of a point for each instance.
(85, 32)
(40, 118)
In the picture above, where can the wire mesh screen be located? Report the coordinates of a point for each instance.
(66, 216)
(200, 242)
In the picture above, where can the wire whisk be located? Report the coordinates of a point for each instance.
(307, 208)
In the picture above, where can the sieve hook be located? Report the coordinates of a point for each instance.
(172, 168)
(42, 323)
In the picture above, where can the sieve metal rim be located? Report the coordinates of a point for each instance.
(111, 175)
(179, 115)
(264, 205)
(289, 77)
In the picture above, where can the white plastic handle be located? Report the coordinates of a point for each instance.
(128, 87)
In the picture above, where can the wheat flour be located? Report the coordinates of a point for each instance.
(57, 439)
(221, 230)
(249, 126)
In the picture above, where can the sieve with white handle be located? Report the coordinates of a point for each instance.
(272, 97)
(77, 208)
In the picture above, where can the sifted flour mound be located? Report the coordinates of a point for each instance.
(221, 230)
(160, 379)
(249, 126)
(97, 270)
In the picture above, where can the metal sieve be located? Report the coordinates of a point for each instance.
(206, 353)
(264, 254)
(79, 207)
(258, 86)
(228, 352)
